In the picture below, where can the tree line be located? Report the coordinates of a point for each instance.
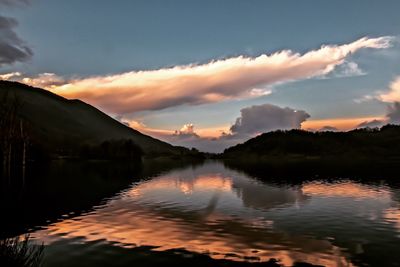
(377, 144)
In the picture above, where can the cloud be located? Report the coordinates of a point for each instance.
(202, 143)
(231, 78)
(328, 129)
(343, 124)
(12, 47)
(394, 92)
(205, 139)
(186, 130)
(10, 75)
(371, 124)
(390, 95)
(392, 117)
(262, 118)
(123, 121)
(267, 117)
(260, 92)
(253, 121)
(45, 80)
(349, 69)
(393, 114)
(12, 3)
(366, 98)
(186, 136)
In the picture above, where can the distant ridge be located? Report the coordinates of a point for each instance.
(364, 144)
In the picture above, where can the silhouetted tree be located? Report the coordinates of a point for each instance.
(14, 139)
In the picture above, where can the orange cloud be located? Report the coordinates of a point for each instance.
(343, 124)
(231, 78)
(207, 132)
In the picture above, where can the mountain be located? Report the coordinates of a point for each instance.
(62, 124)
(361, 145)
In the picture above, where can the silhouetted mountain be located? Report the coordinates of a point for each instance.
(373, 145)
(61, 125)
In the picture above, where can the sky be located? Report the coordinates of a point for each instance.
(210, 74)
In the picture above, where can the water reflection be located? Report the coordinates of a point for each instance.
(346, 188)
(216, 211)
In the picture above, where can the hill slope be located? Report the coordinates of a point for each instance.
(65, 124)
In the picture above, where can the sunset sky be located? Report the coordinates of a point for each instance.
(210, 74)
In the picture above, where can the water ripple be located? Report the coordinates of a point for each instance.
(224, 214)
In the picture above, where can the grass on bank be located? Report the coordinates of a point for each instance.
(20, 252)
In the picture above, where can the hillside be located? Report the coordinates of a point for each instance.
(373, 145)
(62, 124)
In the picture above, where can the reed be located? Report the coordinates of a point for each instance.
(20, 252)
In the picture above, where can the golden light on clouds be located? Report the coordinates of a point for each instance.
(231, 78)
(343, 124)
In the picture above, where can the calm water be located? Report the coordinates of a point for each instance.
(225, 214)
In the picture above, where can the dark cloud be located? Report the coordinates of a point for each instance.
(371, 124)
(393, 114)
(12, 47)
(12, 3)
(392, 117)
(267, 117)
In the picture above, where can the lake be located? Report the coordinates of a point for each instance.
(208, 214)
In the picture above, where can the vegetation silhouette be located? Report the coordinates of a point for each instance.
(360, 150)
(19, 252)
(60, 128)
